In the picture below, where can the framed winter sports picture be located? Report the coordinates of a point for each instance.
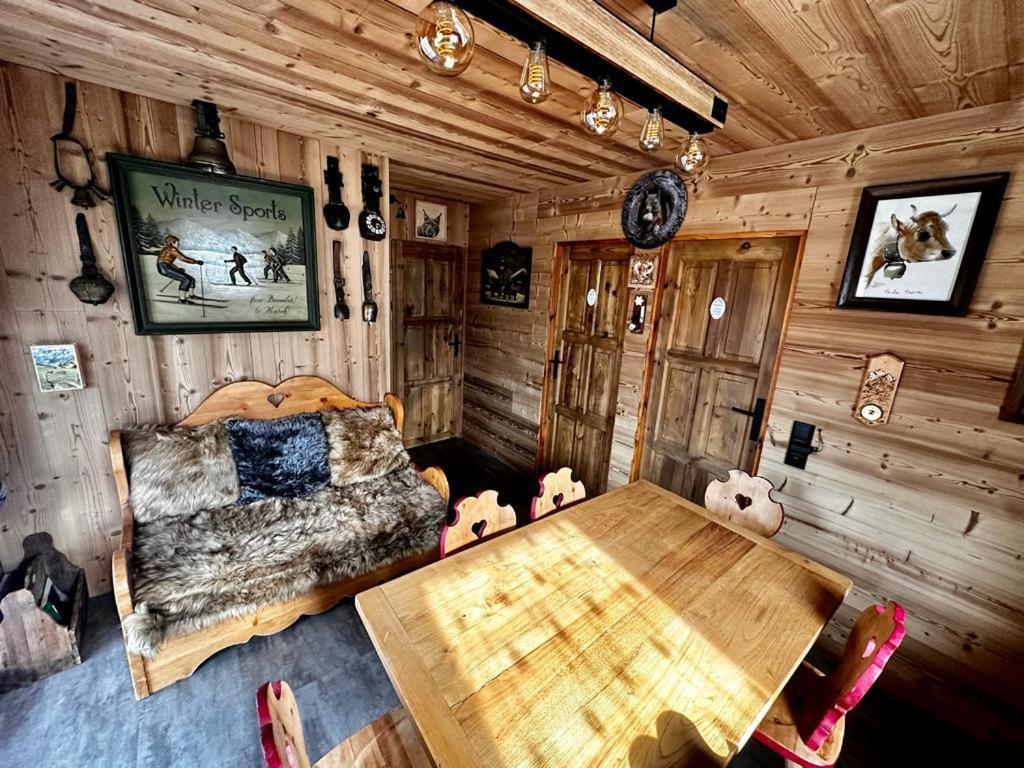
(209, 253)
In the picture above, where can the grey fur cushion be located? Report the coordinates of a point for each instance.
(177, 471)
(362, 444)
(278, 457)
(193, 571)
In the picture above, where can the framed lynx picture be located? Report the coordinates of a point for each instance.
(211, 253)
(431, 221)
(918, 247)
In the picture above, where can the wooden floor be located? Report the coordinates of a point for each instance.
(470, 470)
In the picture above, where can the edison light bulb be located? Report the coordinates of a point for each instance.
(602, 111)
(534, 84)
(654, 131)
(444, 36)
(694, 156)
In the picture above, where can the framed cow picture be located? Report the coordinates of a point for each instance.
(209, 253)
(918, 247)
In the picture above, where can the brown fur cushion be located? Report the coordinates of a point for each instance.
(177, 471)
(362, 444)
(193, 571)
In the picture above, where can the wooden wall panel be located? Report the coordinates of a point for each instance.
(927, 510)
(54, 455)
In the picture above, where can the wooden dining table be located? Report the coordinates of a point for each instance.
(633, 629)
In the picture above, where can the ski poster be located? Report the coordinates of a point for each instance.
(211, 253)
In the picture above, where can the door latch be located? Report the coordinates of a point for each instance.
(756, 417)
(455, 344)
(555, 362)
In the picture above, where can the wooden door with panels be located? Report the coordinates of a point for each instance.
(722, 317)
(428, 299)
(585, 337)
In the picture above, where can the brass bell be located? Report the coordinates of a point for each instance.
(209, 152)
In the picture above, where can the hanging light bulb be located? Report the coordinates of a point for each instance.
(534, 85)
(602, 111)
(693, 157)
(444, 37)
(653, 134)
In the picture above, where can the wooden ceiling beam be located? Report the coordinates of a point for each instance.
(622, 48)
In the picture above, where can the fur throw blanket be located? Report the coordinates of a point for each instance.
(194, 570)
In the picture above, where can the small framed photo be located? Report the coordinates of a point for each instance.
(918, 247)
(505, 271)
(57, 367)
(431, 221)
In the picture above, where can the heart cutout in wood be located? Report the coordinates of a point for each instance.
(743, 501)
(478, 528)
(557, 499)
(275, 398)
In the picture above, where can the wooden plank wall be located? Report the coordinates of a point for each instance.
(928, 510)
(54, 455)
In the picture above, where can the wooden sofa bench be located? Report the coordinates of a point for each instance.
(179, 656)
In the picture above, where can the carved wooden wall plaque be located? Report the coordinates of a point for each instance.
(878, 389)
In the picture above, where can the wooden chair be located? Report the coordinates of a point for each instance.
(746, 501)
(557, 491)
(476, 518)
(390, 741)
(806, 722)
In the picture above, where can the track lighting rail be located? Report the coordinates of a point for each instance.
(585, 37)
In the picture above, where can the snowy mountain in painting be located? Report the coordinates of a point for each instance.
(195, 237)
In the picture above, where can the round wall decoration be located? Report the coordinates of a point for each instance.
(654, 209)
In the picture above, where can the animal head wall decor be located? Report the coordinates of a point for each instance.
(654, 209)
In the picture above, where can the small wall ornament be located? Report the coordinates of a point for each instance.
(878, 389)
(643, 268)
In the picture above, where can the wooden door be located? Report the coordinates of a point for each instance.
(428, 298)
(721, 321)
(585, 354)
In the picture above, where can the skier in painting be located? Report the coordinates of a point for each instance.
(279, 272)
(268, 266)
(239, 269)
(165, 266)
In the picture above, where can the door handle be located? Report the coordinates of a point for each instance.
(555, 362)
(455, 344)
(756, 417)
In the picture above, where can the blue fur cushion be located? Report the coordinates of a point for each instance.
(279, 457)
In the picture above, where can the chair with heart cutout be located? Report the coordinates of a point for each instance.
(557, 491)
(746, 501)
(476, 518)
(806, 722)
(390, 741)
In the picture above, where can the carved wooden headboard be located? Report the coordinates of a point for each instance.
(299, 394)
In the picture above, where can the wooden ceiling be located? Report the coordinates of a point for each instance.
(348, 69)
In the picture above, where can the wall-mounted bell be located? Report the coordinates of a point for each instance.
(90, 287)
(209, 152)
